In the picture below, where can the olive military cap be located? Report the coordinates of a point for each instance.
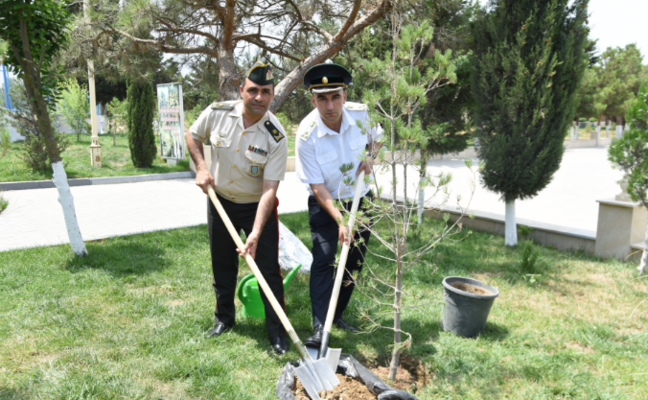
(260, 73)
(324, 78)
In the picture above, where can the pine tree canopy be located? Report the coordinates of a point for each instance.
(529, 59)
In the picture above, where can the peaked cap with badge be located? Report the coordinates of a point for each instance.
(326, 78)
(261, 73)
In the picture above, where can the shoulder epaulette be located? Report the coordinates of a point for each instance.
(276, 134)
(223, 105)
(307, 131)
(355, 106)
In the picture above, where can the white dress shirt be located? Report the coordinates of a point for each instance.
(320, 151)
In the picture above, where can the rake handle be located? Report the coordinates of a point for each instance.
(257, 273)
(341, 266)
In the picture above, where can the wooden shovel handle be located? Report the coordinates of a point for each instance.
(343, 256)
(255, 270)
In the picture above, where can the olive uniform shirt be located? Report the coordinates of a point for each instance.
(242, 158)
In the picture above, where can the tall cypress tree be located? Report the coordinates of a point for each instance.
(141, 139)
(529, 59)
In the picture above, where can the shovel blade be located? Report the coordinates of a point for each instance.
(311, 384)
(313, 352)
(332, 358)
(326, 374)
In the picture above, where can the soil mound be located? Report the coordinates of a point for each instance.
(471, 289)
(348, 389)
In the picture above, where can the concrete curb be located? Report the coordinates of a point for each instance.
(26, 185)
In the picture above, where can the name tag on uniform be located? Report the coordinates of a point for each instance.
(254, 169)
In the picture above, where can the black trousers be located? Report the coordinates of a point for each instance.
(324, 231)
(225, 260)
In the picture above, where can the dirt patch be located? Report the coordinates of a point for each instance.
(471, 289)
(410, 373)
(348, 389)
(579, 347)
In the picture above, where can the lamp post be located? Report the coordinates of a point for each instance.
(95, 147)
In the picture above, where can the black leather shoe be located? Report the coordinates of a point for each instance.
(316, 338)
(279, 344)
(342, 324)
(218, 330)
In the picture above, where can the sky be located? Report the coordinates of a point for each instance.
(620, 22)
(616, 23)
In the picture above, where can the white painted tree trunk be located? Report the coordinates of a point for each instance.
(419, 210)
(577, 129)
(644, 256)
(67, 203)
(510, 229)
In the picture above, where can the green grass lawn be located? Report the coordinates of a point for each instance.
(128, 322)
(76, 158)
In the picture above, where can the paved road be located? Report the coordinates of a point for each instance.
(34, 217)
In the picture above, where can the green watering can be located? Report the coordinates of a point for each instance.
(248, 293)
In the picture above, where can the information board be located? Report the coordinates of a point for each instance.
(171, 120)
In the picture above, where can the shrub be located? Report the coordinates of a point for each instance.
(285, 122)
(3, 203)
(141, 139)
(582, 119)
(32, 150)
(74, 107)
(593, 119)
(529, 258)
(116, 112)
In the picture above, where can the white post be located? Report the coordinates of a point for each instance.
(421, 201)
(598, 135)
(608, 124)
(95, 147)
(644, 257)
(510, 228)
(69, 213)
(571, 131)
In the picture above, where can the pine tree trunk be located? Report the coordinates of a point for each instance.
(395, 360)
(644, 257)
(228, 78)
(510, 228)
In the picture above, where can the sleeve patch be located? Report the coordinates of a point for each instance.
(276, 134)
(307, 132)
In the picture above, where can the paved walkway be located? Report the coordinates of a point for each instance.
(569, 201)
(34, 217)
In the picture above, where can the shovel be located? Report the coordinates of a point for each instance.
(332, 356)
(314, 375)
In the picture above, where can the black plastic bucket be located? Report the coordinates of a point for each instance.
(465, 313)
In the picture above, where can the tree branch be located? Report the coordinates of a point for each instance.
(158, 44)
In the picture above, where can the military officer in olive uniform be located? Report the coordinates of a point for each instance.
(248, 152)
(327, 138)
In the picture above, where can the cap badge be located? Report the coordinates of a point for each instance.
(269, 75)
(325, 80)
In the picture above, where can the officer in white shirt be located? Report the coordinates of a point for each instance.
(328, 138)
